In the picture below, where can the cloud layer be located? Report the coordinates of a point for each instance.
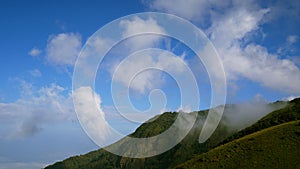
(36, 108)
(231, 30)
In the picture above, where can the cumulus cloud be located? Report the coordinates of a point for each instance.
(142, 71)
(234, 22)
(234, 26)
(271, 71)
(37, 107)
(34, 52)
(89, 111)
(63, 49)
(137, 26)
(252, 61)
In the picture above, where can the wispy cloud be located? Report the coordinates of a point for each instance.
(35, 73)
(290, 98)
(289, 47)
(242, 115)
(288, 9)
(34, 52)
(189, 9)
(292, 39)
(37, 107)
(18, 165)
(63, 49)
(233, 22)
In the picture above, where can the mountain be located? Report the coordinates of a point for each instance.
(272, 142)
(188, 148)
(290, 112)
(274, 147)
(185, 150)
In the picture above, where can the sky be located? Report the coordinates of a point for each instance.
(257, 43)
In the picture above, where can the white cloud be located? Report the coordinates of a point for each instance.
(185, 109)
(288, 47)
(63, 49)
(200, 11)
(292, 39)
(34, 52)
(234, 26)
(239, 116)
(35, 108)
(252, 61)
(290, 98)
(91, 115)
(229, 26)
(279, 74)
(182, 8)
(35, 73)
(135, 69)
(189, 9)
(138, 26)
(18, 165)
(257, 64)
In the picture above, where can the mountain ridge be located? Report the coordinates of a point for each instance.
(184, 151)
(280, 149)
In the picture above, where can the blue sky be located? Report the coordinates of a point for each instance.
(258, 43)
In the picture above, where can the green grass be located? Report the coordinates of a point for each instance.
(274, 147)
(156, 125)
(290, 112)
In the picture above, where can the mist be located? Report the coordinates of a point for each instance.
(239, 116)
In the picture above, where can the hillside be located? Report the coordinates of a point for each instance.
(290, 112)
(274, 147)
(185, 150)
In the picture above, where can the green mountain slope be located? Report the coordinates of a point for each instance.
(185, 150)
(290, 112)
(274, 147)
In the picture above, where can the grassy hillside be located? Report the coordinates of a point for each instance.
(104, 159)
(290, 112)
(185, 150)
(274, 147)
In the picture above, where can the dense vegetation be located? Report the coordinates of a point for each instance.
(185, 150)
(189, 147)
(274, 147)
(290, 112)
